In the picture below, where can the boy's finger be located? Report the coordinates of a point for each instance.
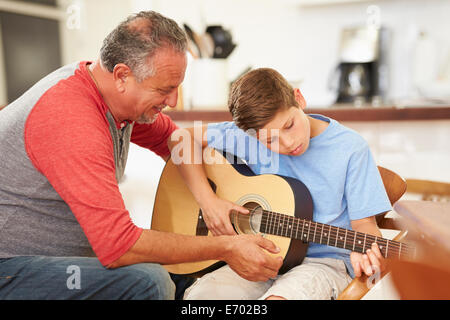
(367, 266)
(374, 261)
(357, 269)
(376, 250)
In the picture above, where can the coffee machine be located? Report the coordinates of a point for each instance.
(361, 76)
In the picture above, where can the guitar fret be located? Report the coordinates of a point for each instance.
(272, 224)
(303, 227)
(341, 238)
(329, 234)
(296, 226)
(292, 228)
(280, 226)
(387, 245)
(380, 246)
(284, 225)
(321, 234)
(309, 229)
(364, 244)
(315, 228)
(267, 223)
(354, 240)
(287, 227)
(345, 239)
(337, 236)
(276, 228)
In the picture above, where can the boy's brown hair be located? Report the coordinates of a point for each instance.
(257, 96)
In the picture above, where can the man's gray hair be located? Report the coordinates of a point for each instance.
(135, 41)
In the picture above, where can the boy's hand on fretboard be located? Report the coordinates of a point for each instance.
(369, 263)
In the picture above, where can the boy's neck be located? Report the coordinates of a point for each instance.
(317, 126)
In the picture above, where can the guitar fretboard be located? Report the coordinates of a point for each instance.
(310, 231)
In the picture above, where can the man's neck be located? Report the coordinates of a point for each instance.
(104, 82)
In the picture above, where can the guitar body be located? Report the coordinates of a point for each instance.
(177, 211)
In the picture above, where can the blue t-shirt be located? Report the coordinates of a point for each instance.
(337, 168)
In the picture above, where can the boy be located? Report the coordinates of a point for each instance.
(334, 163)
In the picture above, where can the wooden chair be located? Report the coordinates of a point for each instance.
(429, 190)
(395, 187)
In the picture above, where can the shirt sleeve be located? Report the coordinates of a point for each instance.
(154, 136)
(364, 190)
(226, 136)
(72, 148)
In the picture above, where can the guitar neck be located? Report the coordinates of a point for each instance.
(310, 231)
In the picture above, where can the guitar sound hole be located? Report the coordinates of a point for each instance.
(247, 223)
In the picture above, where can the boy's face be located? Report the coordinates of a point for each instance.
(289, 131)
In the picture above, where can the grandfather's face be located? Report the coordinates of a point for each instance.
(149, 97)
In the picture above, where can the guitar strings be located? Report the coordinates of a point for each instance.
(268, 225)
(358, 236)
(293, 220)
(394, 248)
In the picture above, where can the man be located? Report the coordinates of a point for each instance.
(64, 230)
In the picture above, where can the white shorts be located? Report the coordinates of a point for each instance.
(314, 279)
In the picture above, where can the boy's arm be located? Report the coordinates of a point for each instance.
(215, 210)
(372, 261)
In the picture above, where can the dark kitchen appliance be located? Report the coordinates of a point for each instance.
(362, 74)
(223, 41)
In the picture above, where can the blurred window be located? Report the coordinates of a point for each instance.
(46, 2)
(31, 49)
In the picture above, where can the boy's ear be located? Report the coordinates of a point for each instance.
(299, 98)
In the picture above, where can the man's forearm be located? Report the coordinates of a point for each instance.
(245, 254)
(170, 248)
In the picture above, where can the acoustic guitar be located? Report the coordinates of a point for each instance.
(281, 209)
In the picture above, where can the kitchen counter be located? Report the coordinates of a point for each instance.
(343, 113)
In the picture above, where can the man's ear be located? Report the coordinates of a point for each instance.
(121, 73)
(299, 98)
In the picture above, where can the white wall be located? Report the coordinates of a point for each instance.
(299, 41)
(97, 19)
(302, 42)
